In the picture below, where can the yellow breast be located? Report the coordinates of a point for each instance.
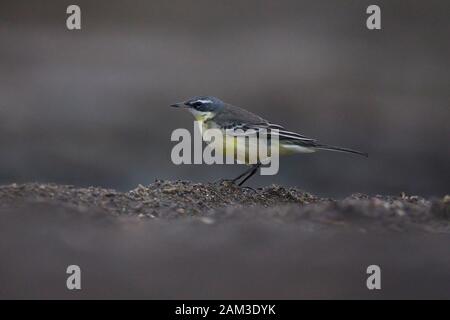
(241, 149)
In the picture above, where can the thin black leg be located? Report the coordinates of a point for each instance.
(247, 174)
(254, 169)
(243, 174)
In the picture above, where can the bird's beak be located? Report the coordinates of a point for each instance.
(178, 105)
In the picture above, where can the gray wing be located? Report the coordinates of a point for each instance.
(239, 122)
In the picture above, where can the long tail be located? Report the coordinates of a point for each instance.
(339, 149)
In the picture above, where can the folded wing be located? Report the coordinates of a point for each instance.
(246, 129)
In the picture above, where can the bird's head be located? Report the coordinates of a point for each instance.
(204, 107)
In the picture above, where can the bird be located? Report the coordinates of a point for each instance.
(212, 113)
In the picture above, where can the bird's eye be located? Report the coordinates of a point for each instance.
(196, 104)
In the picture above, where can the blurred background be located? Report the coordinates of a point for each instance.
(90, 107)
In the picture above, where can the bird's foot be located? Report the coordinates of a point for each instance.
(224, 181)
(232, 182)
(249, 188)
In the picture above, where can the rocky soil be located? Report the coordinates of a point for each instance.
(217, 202)
(190, 240)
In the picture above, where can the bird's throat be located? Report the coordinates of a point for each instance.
(202, 116)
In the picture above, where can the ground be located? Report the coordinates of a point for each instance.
(191, 240)
(216, 202)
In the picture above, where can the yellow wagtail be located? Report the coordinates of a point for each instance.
(212, 113)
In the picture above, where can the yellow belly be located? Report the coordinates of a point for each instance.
(245, 151)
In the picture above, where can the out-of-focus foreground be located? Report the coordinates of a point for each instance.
(194, 241)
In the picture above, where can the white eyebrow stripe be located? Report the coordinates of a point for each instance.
(203, 101)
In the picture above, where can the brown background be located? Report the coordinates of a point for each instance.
(89, 107)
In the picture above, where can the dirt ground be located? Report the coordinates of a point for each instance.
(212, 203)
(190, 240)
